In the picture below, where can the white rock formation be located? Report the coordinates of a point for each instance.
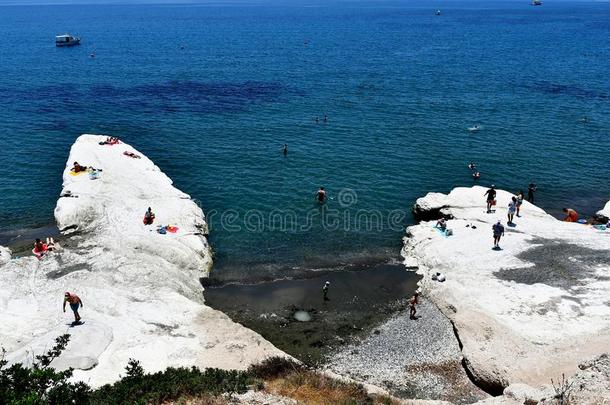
(605, 212)
(141, 292)
(526, 313)
(5, 255)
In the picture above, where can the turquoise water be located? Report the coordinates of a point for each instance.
(211, 93)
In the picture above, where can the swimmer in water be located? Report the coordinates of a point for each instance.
(321, 195)
(472, 166)
(476, 175)
(285, 150)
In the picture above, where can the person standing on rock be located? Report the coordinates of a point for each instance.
(498, 229)
(531, 189)
(412, 303)
(520, 198)
(75, 302)
(512, 208)
(325, 291)
(491, 197)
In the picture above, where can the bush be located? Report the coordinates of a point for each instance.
(40, 384)
(171, 384)
(274, 367)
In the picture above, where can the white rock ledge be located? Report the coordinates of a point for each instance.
(529, 312)
(141, 291)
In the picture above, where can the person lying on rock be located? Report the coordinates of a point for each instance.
(571, 215)
(75, 302)
(149, 217)
(76, 168)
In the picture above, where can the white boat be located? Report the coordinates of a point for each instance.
(438, 12)
(536, 2)
(475, 128)
(66, 40)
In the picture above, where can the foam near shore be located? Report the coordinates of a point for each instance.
(525, 313)
(141, 291)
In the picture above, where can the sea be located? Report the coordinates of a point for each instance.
(373, 100)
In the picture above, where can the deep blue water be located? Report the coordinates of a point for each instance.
(211, 93)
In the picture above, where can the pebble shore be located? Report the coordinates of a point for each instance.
(411, 358)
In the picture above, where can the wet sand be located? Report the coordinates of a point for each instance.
(358, 300)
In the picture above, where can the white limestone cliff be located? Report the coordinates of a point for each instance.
(528, 312)
(141, 291)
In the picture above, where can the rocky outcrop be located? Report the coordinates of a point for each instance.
(603, 216)
(512, 307)
(433, 206)
(140, 288)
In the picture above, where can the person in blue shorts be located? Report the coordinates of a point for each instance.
(75, 303)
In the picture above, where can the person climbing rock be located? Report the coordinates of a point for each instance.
(498, 230)
(571, 215)
(149, 217)
(325, 290)
(491, 197)
(531, 189)
(412, 306)
(75, 303)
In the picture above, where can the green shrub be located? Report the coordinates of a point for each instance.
(40, 384)
(170, 384)
(274, 367)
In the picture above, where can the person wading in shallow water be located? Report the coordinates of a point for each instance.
(412, 303)
(75, 303)
(325, 291)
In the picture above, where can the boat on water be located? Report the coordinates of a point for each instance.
(475, 128)
(438, 12)
(66, 40)
(536, 2)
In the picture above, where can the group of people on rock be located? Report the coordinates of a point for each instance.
(110, 140)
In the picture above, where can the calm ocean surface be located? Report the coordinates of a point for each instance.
(211, 93)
